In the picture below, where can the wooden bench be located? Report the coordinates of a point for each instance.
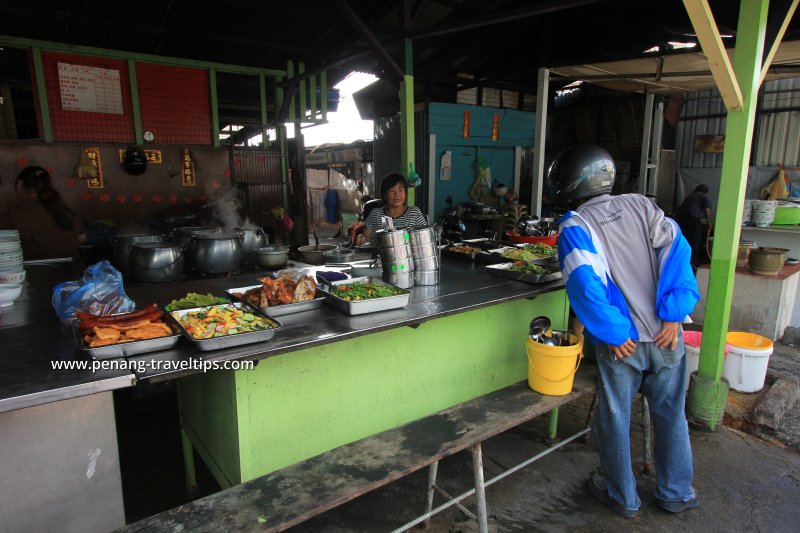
(287, 497)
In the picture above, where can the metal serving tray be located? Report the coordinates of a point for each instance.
(502, 271)
(367, 306)
(227, 341)
(458, 255)
(283, 309)
(125, 349)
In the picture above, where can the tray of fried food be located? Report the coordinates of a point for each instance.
(123, 334)
(461, 251)
(282, 295)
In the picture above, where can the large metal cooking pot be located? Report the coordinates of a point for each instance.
(254, 238)
(216, 252)
(183, 235)
(123, 243)
(274, 256)
(156, 262)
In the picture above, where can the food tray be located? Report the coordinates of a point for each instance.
(367, 306)
(502, 271)
(458, 255)
(284, 309)
(227, 341)
(125, 349)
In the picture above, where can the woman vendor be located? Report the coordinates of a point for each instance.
(47, 227)
(394, 192)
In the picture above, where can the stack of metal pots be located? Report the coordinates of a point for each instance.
(425, 254)
(396, 259)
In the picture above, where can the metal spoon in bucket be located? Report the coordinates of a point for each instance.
(536, 330)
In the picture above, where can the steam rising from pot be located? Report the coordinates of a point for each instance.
(225, 206)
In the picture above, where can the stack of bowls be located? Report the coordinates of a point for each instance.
(396, 258)
(425, 254)
(12, 269)
(763, 212)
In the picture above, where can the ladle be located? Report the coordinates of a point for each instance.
(538, 326)
(548, 341)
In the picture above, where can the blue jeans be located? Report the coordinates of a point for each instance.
(661, 374)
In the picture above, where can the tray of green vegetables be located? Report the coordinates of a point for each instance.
(358, 296)
(524, 271)
(194, 299)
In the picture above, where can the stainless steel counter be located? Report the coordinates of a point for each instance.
(32, 337)
(33, 341)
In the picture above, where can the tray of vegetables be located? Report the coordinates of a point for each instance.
(527, 272)
(224, 325)
(358, 296)
(531, 253)
(194, 299)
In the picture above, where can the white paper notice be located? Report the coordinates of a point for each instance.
(91, 89)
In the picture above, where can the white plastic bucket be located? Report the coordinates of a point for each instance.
(746, 365)
(692, 341)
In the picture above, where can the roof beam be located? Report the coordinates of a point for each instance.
(516, 14)
(383, 56)
(707, 33)
(785, 11)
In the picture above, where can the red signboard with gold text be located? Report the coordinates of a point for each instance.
(466, 124)
(187, 169)
(94, 156)
(495, 126)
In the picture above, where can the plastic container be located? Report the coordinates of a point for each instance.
(551, 369)
(746, 365)
(550, 240)
(692, 341)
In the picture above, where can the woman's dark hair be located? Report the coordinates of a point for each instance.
(701, 188)
(389, 181)
(38, 180)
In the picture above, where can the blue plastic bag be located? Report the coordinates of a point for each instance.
(100, 292)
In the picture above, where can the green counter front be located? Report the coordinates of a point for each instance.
(301, 403)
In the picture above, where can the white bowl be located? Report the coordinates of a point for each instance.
(12, 277)
(9, 292)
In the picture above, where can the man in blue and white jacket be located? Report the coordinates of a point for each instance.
(629, 280)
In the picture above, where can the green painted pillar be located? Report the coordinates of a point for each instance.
(407, 117)
(708, 392)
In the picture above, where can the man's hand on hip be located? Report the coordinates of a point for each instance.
(668, 336)
(625, 349)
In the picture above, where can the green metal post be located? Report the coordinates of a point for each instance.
(323, 99)
(280, 132)
(407, 117)
(312, 92)
(707, 392)
(301, 69)
(262, 98)
(553, 435)
(189, 472)
(212, 83)
(293, 101)
(135, 108)
(41, 91)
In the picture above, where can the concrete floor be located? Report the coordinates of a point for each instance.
(744, 484)
(746, 481)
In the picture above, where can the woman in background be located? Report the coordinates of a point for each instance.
(394, 192)
(47, 227)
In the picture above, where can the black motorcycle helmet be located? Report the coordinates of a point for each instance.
(581, 172)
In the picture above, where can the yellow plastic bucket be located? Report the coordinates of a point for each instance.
(551, 369)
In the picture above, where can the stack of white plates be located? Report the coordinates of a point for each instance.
(11, 267)
(747, 212)
(763, 212)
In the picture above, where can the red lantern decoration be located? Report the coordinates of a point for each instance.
(137, 197)
(157, 198)
(69, 182)
(86, 196)
(22, 161)
(172, 198)
(121, 198)
(105, 197)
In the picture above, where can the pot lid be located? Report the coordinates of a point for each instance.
(219, 234)
(159, 244)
